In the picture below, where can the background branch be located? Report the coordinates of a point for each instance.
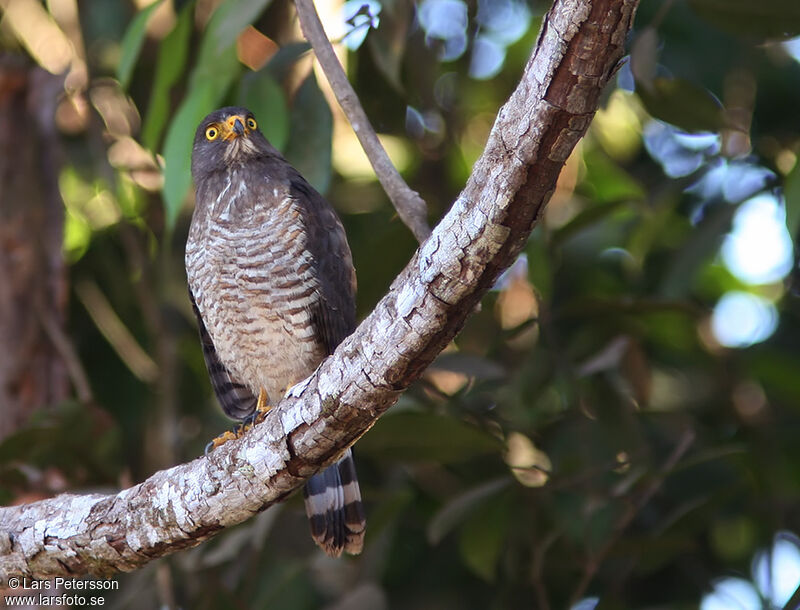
(409, 205)
(634, 508)
(577, 51)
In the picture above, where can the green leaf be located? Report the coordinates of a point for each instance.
(682, 104)
(698, 250)
(284, 584)
(454, 512)
(219, 39)
(424, 436)
(201, 100)
(170, 65)
(385, 512)
(653, 226)
(755, 19)
(309, 147)
(776, 369)
(470, 365)
(282, 62)
(217, 67)
(644, 55)
(227, 23)
(263, 96)
(540, 267)
(387, 58)
(68, 436)
(482, 537)
(791, 191)
(132, 44)
(387, 43)
(608, 182)
(589, 217)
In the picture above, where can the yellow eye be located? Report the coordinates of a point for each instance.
(251, 123)
(212, 133)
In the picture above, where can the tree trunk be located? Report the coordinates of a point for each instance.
(32, 271)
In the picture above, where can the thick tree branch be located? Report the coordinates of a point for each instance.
(409, 205)
(577, 51)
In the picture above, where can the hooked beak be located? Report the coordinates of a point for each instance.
(234, 127)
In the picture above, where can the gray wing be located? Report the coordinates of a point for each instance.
(334, 315)
(332, 497)
(235, 398)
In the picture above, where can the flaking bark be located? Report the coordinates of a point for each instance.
(578, 49)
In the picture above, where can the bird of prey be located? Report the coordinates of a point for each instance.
(272, 283)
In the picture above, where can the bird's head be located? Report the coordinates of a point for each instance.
(224, 138)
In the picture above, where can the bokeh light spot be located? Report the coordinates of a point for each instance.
(732, 594)
(759, 249)
(777, 574)
(443, 19)
(741, 319)
(487, 58)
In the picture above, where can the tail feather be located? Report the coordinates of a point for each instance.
(334, 508)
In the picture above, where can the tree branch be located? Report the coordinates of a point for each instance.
(579, 47)
(634, 508)
(409, 205)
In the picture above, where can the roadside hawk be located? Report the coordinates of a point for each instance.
(272, 282)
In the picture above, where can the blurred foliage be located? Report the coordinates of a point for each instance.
(591, 435)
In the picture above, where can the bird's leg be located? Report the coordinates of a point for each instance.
(262, 406)
(258, 415)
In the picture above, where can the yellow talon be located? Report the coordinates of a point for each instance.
(223, 438)
(262, 407)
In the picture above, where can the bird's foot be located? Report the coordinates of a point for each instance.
(223, 438)
(256, 417)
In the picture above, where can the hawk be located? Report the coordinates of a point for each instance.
(272, 283)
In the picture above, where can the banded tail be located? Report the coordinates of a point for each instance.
(334, 508)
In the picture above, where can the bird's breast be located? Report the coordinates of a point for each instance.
(255, 283)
